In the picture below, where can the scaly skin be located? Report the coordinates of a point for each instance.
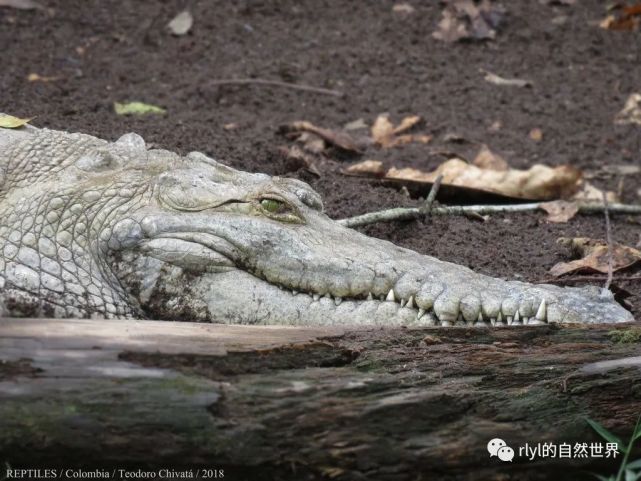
(97, 229)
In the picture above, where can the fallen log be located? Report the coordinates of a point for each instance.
(250, 402)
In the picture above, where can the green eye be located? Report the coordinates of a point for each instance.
(271, 205)
(279, 210)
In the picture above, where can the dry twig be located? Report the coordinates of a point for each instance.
(582, 279)
(608, 238)
(276, 83)
(426, 208)
(410, 213)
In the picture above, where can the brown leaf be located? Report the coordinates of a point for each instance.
(338, 138)
(367, 167)
(560, 211)
(299, 159)
(536, 134)
(404, 8)
(406, 124)
(386, 135)
(465, 20)
(588, 193)
(486, 159)
(631, 113)
(627, 18)
(594, 256)
(383, 130)
(504, 82)
(357, 124)
(540, 182)
(34, 77)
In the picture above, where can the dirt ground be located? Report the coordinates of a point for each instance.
(383, 61)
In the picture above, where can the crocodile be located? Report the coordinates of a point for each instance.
(98, 229)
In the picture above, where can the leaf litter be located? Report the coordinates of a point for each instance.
(11, 122)
(467, 20)
(137, 108)
(181, 24)
(593, 256)
(383, 134)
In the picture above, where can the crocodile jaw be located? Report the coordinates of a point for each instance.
(199, 276)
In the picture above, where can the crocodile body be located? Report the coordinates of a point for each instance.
(90, 228)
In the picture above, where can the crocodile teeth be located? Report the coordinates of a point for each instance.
(328, 296)
(517, 318)
(316, 297)
(403, 302)
(499, 318)
(410, 302)
(509, 320)
(370, 297)
(421, 313)
(390, 296)
(294, 292)
(338, 300)
(541, 312)
(446, 323)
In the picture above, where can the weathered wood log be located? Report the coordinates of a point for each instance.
(301, 403)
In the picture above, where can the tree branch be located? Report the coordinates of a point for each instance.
(410, 213)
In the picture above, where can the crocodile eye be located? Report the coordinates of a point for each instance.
(273, 206)
(279, 210)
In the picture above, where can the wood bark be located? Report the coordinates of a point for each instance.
(312, 403)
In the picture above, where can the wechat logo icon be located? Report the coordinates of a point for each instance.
(499, 448)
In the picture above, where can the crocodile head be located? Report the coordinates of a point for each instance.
(147, 233)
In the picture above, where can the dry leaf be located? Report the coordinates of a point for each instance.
(181, 24)
(486, 159)
(465, 20)
(357, 124)
(312, 143)
(631, 113)
(495, 127)
(11, 122)
(136, 108)
(560, 211)
(504, 82)
(21, 4)
(299, 159)
(34, 77)
(386, 135)
(627, 18)
(338, 138)
(594, 256)
(540, 182)
(588, 193)
(367, 167)
(405, 8)
(536, 134)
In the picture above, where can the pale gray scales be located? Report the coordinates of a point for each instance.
(91, 228)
